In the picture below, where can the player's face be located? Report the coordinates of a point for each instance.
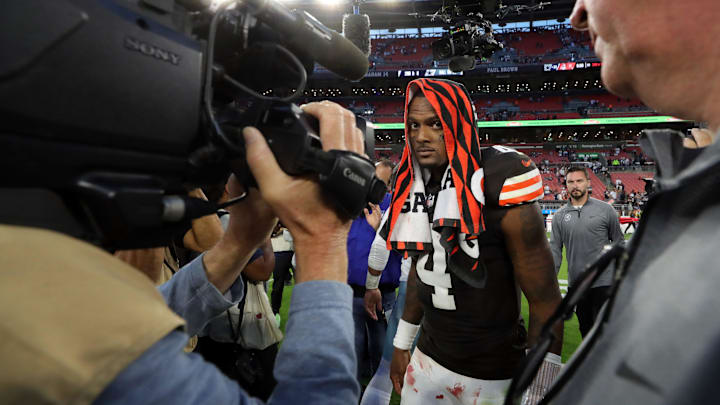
(383, 173)
(426, 134)
(577, 185)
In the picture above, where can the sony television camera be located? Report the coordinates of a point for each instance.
(110, 110)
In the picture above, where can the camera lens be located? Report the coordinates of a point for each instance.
(442, 49)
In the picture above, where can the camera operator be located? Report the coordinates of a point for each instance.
(80, 326)
(159, 264)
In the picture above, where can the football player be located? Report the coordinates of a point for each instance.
(469, 219)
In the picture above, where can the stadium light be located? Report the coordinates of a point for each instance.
(331, 3)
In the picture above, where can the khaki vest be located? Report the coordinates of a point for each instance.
(71, 317)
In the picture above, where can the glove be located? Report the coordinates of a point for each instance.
(549, 370)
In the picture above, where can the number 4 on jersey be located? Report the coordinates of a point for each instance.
(432, 270)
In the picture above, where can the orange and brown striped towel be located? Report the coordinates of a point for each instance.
(452, 218)
(408, 227)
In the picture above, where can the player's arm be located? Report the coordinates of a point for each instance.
(524, 232)
(408, 328)
(556, 243)
(373, 297)
(377, 260)
(413, 312)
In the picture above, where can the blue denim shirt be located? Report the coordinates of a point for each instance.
(315, 365)
(218, 328)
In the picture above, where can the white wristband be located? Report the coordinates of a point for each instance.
(379, 254)
(405, 335)
(371, 281)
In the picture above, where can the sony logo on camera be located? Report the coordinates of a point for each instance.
(151, 50)
(348, 173)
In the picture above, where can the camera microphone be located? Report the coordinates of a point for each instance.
(302, 30)
(356, 28)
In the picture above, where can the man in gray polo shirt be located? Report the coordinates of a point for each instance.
(584, 226)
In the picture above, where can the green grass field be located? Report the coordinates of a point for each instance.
(571, 338)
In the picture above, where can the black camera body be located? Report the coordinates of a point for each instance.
(98, 76)
(101, 102)
(293, 136)
(464, 43)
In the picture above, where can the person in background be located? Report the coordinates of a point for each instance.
(370, 330)
(160, 263)
(584, 226)
(222, 344)
(282, 245)
(379, 389)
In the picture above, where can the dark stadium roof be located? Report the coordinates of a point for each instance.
(396, 13)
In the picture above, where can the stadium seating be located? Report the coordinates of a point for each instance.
(598, 186)
(508, 108)
(386, 154)
(551, 156)
(521, 47)
(632, 180)
(579, 37)
(387, 52)
(549, 179)
(535, 43)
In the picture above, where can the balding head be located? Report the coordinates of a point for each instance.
(383, 170)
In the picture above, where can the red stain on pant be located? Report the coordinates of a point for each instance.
(476, 395)
(456, 390)
(441, 396)
(409, 375)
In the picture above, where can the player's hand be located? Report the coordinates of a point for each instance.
(319, 234)
(373, 218)
(373, 303)
(398, 367)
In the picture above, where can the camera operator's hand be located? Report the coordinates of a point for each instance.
(319, 234)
